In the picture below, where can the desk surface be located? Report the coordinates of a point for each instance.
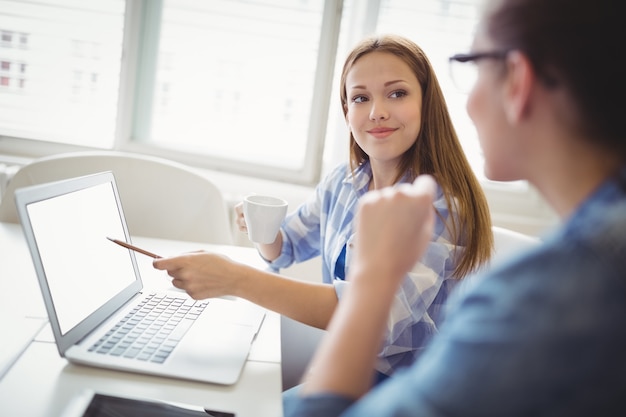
(40, 382)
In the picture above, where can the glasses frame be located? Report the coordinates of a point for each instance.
(477, 56)
(547, 79)
(471, 58)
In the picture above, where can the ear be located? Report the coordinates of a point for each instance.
(520, 81)
(345, 117)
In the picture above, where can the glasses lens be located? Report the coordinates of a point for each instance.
(464, 75)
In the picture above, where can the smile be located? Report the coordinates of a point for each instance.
(381, 132)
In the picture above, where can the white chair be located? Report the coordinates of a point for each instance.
(160, 198)
(508, 242)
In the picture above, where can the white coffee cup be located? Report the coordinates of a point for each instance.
(263, 215)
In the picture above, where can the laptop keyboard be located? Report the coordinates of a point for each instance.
(151, 331)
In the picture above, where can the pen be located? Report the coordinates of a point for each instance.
(214, 413)
(132, 247)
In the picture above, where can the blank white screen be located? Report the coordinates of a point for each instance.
(83, 268)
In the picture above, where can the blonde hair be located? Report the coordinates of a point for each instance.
(437, 151)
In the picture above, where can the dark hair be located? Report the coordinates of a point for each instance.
(577, 45)
(437, 151)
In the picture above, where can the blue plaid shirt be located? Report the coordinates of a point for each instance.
(322, 226)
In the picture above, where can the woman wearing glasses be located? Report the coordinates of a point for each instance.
(545, 333)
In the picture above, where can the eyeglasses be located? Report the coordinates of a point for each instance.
(464, 76)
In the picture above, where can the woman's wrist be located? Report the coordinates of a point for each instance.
(239, 276)
(374, 281)
(271, 251)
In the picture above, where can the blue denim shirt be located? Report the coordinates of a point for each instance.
(541, 335)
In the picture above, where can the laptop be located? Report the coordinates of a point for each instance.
(95, 298)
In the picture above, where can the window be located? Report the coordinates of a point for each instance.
(442, 28)
(244, 86)
(238, 83)
(7, 37)
(49, 100)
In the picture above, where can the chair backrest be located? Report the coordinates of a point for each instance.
(508, 242)
(161, 198)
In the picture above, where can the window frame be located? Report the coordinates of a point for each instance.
(138, 74)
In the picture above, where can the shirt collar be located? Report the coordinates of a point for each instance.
(610, 192)
(359, 178)
(362, 176)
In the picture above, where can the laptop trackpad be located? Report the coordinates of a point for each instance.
(238, 311)
(213, 347)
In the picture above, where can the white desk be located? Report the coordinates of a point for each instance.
(40, 382)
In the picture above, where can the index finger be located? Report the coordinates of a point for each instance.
(163, 263)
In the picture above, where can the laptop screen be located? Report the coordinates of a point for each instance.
(82, 267)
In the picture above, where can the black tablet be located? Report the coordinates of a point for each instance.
(93, 404)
